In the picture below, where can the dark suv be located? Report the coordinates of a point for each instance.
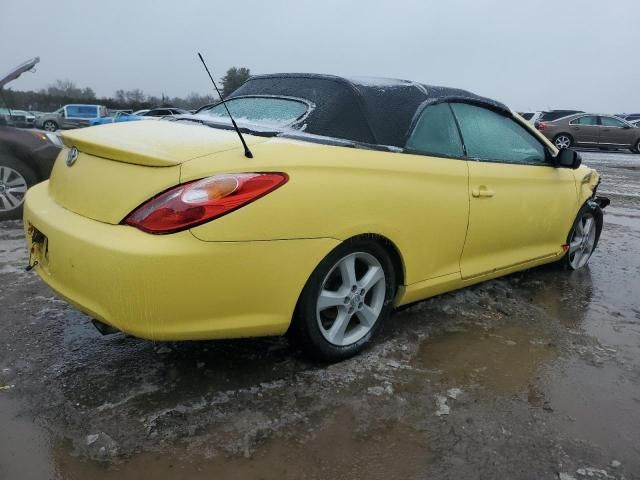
(26, 156)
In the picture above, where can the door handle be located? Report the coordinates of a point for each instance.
(482, 191)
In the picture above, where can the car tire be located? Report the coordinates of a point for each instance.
(50, 126)
(636, 148)
(15, 179)
(583, 237)
(345, 301)
(563, 141)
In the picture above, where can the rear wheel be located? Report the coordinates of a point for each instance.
(15, 179)
(50, 126)
(583, 237)
(345, 300)
(563, 141)
(636, 148)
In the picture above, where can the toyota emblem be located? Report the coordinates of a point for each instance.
(72, 156)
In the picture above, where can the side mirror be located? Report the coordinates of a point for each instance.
(626, 127)
(568, 159)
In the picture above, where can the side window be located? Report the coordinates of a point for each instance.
(436, 133)
(586, 120)
(72, 111)
(491, 136)
(611, 122)
(87, 111)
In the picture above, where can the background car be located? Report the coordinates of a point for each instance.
(164, 112)
(71, 116)
(531, 117)
(552, 115)
(18, 118)
(592, 130)
(26, 156)
(629, 117)
(116, 118)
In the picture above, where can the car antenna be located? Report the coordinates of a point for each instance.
(247, 152)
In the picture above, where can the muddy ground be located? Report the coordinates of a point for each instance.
(534, 376)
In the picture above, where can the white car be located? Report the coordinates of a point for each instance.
(531, 117)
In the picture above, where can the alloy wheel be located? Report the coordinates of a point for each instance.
(351, 299)
(13, 188)
(49, 126)
(582, 241)
(563, 142)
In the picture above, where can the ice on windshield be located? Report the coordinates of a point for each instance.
(273, 112)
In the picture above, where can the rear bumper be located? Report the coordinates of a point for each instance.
(170, 287)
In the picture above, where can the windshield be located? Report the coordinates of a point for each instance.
(271, 111)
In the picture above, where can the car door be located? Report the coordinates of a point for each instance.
(78, 115)
(518, 201)
(585, 130)
(66, 120)
(436, 156)
(615, 133)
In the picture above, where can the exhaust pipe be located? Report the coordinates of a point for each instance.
(103, 328)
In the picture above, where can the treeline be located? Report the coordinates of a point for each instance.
(63, 92)
(44, 102)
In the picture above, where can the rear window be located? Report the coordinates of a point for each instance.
(268, 111)
(557, 114)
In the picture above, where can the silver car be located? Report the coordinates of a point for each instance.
(71, 116)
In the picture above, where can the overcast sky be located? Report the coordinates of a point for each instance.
(529, 54)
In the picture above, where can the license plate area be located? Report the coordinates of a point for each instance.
(39, 247)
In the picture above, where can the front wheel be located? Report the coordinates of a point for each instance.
(636, 148)
(563, 141)
(345, 300)
(583, 237)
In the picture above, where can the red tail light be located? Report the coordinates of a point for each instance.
(200, 201)
(541, 126)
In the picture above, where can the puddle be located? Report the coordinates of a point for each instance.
(336, 450)
(502, 360)
(25, 448)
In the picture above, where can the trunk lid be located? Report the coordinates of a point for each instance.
(120, 166)
(153, 143)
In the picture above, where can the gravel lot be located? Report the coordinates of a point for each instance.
(533, 376)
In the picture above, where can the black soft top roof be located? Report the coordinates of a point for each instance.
(367, 110)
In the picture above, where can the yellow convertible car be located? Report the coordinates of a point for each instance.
(360, 195)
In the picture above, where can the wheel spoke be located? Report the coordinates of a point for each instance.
(588, 225)
(18, 181)
(577, 258)
(574, 245)
(20, 190)
(589, 244)
(367, 316)
(11, 200)
(348, 271)
(336, 332)
(329, 299)
(371, 278)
